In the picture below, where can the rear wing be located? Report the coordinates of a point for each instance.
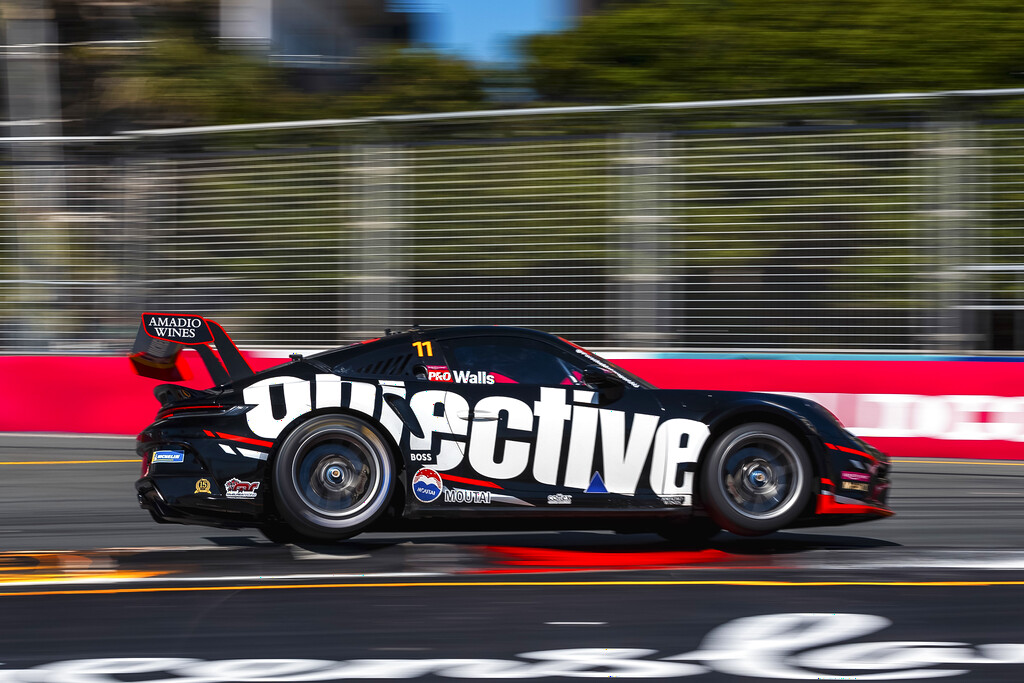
(161, 337)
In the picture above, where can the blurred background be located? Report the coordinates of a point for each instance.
(647, 174)
(816, 197)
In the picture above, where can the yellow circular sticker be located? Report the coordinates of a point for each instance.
(203, 486)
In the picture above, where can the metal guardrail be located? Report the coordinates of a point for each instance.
(871, 223)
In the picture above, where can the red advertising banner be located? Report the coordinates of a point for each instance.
(969, 408)
(914, 408)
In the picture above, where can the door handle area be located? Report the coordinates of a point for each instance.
(476, 415)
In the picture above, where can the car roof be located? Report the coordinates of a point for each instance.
(488, 331)
(441, 333)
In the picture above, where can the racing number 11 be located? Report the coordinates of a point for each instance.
(423, 349)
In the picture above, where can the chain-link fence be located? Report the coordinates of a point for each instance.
(865, 223)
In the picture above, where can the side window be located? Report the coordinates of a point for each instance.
(391, 361)
(494, 361)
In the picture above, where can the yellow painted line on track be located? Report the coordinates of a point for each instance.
(62, 577)
(65, 462)
(514, 584)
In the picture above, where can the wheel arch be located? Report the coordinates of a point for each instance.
(396, 454)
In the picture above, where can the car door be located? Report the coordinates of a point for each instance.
(540, 436)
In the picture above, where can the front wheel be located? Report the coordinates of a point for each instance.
(333, 476)
(756, 479)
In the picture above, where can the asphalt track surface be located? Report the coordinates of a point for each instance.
(91, 590)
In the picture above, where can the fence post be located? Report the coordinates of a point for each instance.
(33, 99)
(640, 219)
(951, 219)
(379, 263)
(136, 226)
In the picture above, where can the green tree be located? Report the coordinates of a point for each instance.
(405, 80)
(179, 80)
(664, 50)
(182, 80)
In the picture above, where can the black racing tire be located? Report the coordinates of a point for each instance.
(756, 479)
(332, 477)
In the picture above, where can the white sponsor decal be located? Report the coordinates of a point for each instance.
(466, 496)
(961, 418)
(244, 452)
(508, 437)
(168, 456)
(479, 377)
(439, 376)
(559, 499)
(175, 328)
(236, 488)
(297, 401)
(804, 646)
(435, 411)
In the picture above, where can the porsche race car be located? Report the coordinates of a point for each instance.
(481, 428)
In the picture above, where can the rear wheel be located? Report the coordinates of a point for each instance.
(333, 476)
(756, 479)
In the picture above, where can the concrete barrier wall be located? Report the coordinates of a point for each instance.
(920, 407)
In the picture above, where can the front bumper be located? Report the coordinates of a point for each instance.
(855, 486)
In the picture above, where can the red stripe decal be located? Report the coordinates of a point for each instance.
(827, 505)
(474, 482)
(844, 449)
(187, 408)
(208, 432)
(245, 439)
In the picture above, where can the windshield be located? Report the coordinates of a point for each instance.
(629, 377)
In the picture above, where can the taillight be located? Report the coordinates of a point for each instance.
(167, 412)
(146, 461)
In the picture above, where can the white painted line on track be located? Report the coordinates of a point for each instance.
(995, 493)
(303, 554)
(1006, 560)
(576, 623)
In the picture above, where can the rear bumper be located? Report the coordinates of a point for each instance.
(167, 511)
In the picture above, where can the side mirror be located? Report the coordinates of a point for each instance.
(607, 383)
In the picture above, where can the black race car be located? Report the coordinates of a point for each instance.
(485, 428)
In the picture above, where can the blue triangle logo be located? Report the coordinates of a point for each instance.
(596, 484)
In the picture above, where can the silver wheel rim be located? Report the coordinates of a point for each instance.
(340, 474)
(760, 476)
